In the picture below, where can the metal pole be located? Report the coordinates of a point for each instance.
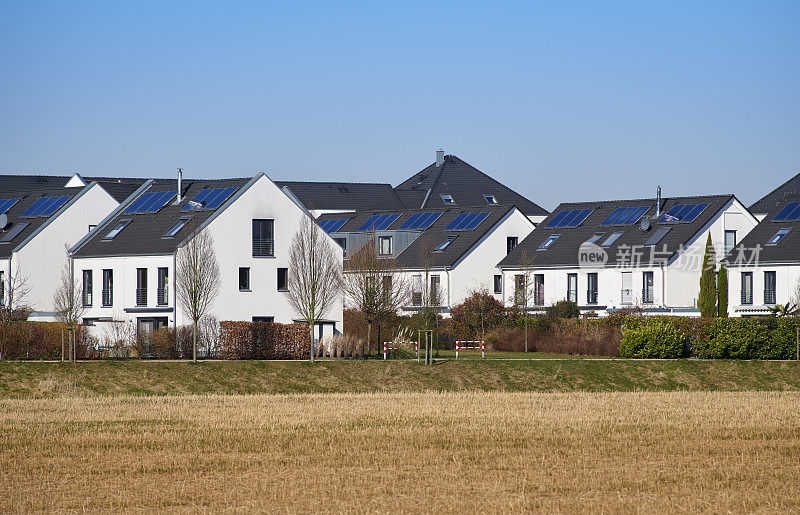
(456, 349)
(62, 344)
(797, 339)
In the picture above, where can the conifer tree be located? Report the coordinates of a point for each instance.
(722, 291)
(707, 300)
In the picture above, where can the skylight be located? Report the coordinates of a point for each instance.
(596, 236)
(116, 230)
(625, 215)
(45, 206)
(379, 222)
(447, 198)
(611, 239)
(419, 221)
(151, 202)
(209, 199)
(569, 218)
(6, 204)
(781, 234)
(466, 221)
(330, 226)
(175, 229)
(443, 245)
(658, 235)
(789, 213)
(682, 213)
(490, 198)
(14, 232)
(549, 241)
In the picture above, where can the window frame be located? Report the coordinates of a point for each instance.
(381, 241)
(498, 284)
(285, 272)
(572, 293)
(263, 247)
(87, 291)
(246, 277)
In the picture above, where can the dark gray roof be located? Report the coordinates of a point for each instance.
(27, 198)
(753, 248)
(789, 191)
(118, 187)
(350, 196)
(144, 234)
(412, 256)
(466, 184)
(564, 251)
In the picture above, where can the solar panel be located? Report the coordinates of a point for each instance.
(6, 204)
(658, 235)
(570, 218)
(466, 221)
(10, 235)
(151, 202)
(46, 206)
(379, 222)
(210, 198)
(625, 215)
(330, 226)
(683, 213)
(790, 212)
(419, 221)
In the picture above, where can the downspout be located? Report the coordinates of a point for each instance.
(174, 291)
(663, 287)
(449, 305)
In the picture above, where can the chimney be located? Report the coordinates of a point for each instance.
(180, 181)
(439, 158)
(658, 201)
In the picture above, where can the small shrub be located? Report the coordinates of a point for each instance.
(652, 339)
(563, 309)
(506, 339)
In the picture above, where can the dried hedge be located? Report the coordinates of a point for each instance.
(37, 340)
(264, 340)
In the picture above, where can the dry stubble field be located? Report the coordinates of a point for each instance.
(449, 452)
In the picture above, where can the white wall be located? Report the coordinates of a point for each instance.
(787, 279)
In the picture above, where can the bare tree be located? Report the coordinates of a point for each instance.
(68, 305)
(315, 275)
(14, 292)
(373, 287)
(431, 289)
(524, 289)
(197, 279)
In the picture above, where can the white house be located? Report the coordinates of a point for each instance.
(456, 248)
(127, 265)
(38, 228)
(613, 255)
(765, 265)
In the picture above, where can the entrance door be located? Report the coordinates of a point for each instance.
(627, 287)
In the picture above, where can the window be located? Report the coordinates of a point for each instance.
(778, 236)
(769, 288)
(511, 243)
(92, 227)
(596, 236)
(443, 245)
(647, 287)
(572, 287)
(108, 288)
(435, 291)
(141, 286)
(549, 241)
(520, 292)
(87, 288)
(385, 245)
(263, 238)
(747, 288)
(626, 295)
(490, 198)
(283, 282)
(14, 232)
(611, 239)
(416, 290)
(658, 235)
(116, 230)
(591, 288)
(268, 320)
(244, 279)
(2, 289)
(162, 295)
(730, 240)
(175, 229)
(498, 284)
(447, 198)
(538, 290)
(342, 242)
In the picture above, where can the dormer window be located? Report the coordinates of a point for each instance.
(490, 198)
(447, 198)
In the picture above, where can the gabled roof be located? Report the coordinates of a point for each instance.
(565, 250)
(413, 256)
(118, 187)
(789, 191)
(26, 200)
(144, 234)
(465, 183)
(753, 249)
(350, 196)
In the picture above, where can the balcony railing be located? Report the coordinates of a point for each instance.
(647, 296)
(263, 248)
(747, 297)
(538, 298)
(108, 297)
(591, 296)
(769, 297)
(416, 298)
(162, 296)
(87, 299)
(626, 295)
(141, 296)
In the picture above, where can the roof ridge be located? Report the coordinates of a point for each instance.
(336, 182)
(652, 199)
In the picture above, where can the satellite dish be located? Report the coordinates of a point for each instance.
(3, 221)
(645, 224)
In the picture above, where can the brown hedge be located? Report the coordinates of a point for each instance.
(37, 340)
(264, 340)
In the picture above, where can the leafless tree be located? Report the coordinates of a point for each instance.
(68, 305)
(315, 275)
(524, 289)
(373, 287)
(197, 279)
(13, 296)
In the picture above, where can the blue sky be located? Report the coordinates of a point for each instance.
(561, 100)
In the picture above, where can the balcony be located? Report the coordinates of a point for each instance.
(108, 297)
(769, 297)
(141, 296)
(647, 296)
(263, 248)
(162, 296)
(591, 296)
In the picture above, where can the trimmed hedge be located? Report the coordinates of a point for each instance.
(653, 340)
(37, 340)
(264, 340)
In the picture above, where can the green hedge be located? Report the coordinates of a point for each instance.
(710, 338)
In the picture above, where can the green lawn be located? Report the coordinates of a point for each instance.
(32, 379)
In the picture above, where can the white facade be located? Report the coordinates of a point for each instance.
(754, 295)
(675, 286)
(40, 258)
(231, 230)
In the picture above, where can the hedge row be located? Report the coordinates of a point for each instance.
(264, 340)
(37, 340)
(710, 338)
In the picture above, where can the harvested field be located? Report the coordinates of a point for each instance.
(385, 452)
